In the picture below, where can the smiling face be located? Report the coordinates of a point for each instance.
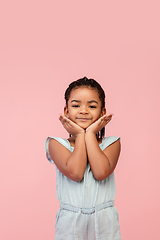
(84, 107)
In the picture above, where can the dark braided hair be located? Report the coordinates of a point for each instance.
(90, 83)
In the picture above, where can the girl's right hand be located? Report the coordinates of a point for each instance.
(71, 127)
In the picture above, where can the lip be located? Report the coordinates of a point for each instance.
(83, 119)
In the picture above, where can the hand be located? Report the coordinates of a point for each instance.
(71, 127)
(99, 124)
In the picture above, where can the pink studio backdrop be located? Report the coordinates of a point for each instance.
(44, 45)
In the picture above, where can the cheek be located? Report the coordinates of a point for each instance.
(71, 114)
(97, 115)
(100, 113)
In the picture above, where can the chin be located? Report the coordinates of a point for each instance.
(84, 126)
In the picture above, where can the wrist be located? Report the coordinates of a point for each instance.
(90, 133)
(81, 133)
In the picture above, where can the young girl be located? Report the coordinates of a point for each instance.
(84, 167)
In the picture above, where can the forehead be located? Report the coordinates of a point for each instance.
(84, 93)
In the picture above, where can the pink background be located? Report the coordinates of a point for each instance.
(44, 45)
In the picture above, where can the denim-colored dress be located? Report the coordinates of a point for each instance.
(87, 210)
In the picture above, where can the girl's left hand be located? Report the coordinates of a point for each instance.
(99, 124)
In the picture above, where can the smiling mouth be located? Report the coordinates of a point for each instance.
(83, 119)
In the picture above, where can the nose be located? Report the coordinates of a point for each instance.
(83, 110)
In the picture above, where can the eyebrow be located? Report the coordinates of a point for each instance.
(92, 101)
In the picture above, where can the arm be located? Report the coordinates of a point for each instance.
(72, 165)
(102, 163)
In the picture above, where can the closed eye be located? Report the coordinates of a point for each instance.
(75, 106)
(92, 106)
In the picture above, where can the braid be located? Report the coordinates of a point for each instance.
(90, 83)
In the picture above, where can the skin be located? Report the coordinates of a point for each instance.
(83, 118)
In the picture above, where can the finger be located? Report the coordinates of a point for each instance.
(63, 119)
(110, 115)
(102, 119)
(105, 120)
(60, 117)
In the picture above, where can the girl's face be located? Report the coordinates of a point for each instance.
(84, 107)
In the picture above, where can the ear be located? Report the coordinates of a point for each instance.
(103, 112)
(66, 113)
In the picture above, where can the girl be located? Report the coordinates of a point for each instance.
(84, 167)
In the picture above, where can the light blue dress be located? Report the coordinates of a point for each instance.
(87, 210)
